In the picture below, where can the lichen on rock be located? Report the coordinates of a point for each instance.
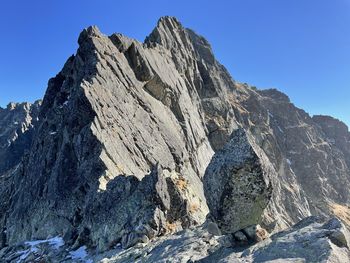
(237, 184)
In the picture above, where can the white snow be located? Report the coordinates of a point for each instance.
(25, 254)
(289, 162)
(80, 254)
(53, 133)
(55, 242)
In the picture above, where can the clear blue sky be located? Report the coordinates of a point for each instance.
(301, 47)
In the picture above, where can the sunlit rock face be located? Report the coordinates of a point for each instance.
(117, 151)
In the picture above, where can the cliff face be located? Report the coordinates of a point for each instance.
(17, 123)
(312, 169)
(103, 128)
(16, 131)
(125, 134)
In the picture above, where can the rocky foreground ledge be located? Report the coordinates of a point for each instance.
(311, 240)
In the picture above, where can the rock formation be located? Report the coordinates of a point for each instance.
(311, 240)
(237, 184)
(117, 151)
(16, 131)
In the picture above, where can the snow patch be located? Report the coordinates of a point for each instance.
(53, 133)
(80, 254)
(289, 162)
(55, 242)
(24, 255)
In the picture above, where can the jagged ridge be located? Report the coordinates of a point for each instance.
(120, 108)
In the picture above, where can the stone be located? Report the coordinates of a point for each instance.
(240, 238)
(132, 239)
(307, 241)
(255, 233)
(17, 123)
(237, 185)
(261, 234)
(213, 229)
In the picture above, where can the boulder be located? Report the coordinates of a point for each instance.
(237, 184)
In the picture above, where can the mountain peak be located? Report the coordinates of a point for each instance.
(167, 33)
(168, 21)
(89, 32)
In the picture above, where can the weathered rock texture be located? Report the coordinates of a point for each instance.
(100, 123)
(126, 131)
(311, 240)
(16, 131)
(17, 123)
(237, 184)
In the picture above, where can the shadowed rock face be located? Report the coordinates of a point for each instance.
(17, 123)
(16, 131)
(126, 132)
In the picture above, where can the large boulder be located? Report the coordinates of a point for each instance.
(237, 184)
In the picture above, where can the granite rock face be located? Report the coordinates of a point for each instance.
(117, 151)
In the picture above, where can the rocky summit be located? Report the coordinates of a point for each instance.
(151, 152)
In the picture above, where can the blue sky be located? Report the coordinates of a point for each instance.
(301, 47)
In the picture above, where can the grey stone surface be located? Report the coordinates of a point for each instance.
(311, 240)
(237, 184)
(17, 123)
(98, 124)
